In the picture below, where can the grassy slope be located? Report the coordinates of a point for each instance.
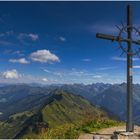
(69, 115)
(69, 108)
(72, 131)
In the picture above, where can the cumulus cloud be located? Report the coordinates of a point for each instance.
(11, 74)
(44, 56)
(21, 61)
(31, 36)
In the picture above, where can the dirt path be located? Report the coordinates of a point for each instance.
(105, 133)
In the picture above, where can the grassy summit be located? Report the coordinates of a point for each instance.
(68, 108)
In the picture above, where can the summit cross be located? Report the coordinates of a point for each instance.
(129, 51)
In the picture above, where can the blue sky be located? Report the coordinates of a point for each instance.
(55, 42)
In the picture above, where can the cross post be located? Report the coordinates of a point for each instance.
(129, 124)
(129, 41)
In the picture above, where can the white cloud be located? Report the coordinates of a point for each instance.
(136, 67)
(31, 36)
(136, 59)
(107, 68)
(52, 72)
(11, 74)
(21, 61)
(118, 58)
(122, 58)
(64, 73)
(34, 37)
(45, 79)
(103, 28)
(87, 60)
(61, 38)
(97, 76)
(76, 73)
(44, 56)
(45, 70)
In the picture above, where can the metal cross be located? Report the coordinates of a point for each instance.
(130, 53)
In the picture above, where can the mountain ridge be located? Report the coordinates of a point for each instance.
(60, 107)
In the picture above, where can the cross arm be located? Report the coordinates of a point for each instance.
(104, 36)
(116, 38)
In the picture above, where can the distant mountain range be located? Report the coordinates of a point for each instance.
(111, 97)
(24, 102)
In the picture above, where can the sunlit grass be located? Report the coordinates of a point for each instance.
(72, 131)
